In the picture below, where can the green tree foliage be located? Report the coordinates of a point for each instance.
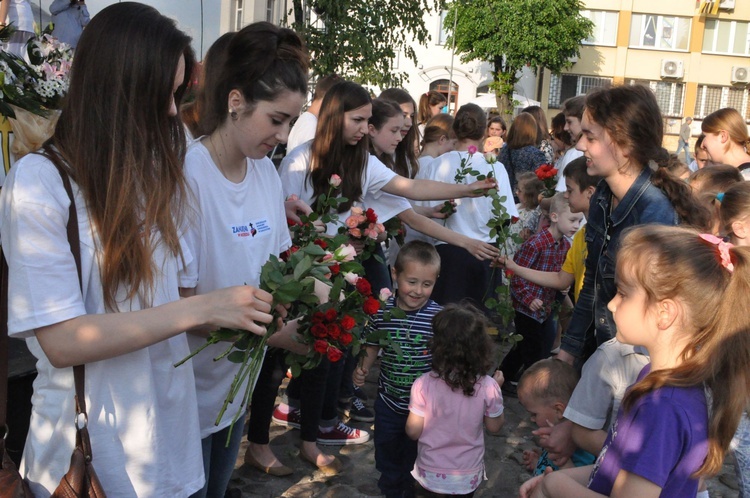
(360, 39)
(510, 34)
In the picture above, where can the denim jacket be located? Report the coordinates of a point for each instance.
(643, 203)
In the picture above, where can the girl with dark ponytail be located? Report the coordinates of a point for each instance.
(256, 82)
(621, 138)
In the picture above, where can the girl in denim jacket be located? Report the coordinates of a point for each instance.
(622, 141)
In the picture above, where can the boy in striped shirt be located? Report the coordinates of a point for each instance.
(405, 357)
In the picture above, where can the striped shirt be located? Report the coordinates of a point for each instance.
(411, 334)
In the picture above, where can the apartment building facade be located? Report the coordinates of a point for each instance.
(695, 62)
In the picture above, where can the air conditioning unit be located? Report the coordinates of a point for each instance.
(726, 5)
(741, 74)
(672, 68)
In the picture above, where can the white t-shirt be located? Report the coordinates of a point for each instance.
(143, 419)
(569, 155)
(302, 131)
(472, 213)
(21, 15)
(238, 226)
(293, 173)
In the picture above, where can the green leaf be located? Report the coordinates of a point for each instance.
(302, 267)
(288, 292)
(236, 356)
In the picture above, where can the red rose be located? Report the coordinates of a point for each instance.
(320, 346)
(371, 306)
(335, 269)
(293, 249)
(320, 243)
(371, 216)
(348, 323)
(509, 273)
(514, 219)
(345, 339)
(331, 315)
(284, 256)
(319, 330)
(318, 317)
(334, 331)
(363, 287)
(334, 354)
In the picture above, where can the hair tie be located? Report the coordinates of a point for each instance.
(724, 247)
(720, 197)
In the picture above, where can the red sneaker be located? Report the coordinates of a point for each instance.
(291, 419)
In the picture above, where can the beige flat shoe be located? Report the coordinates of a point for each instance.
(279, 471)
(331, 469)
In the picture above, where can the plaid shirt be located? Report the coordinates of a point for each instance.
(540, 252)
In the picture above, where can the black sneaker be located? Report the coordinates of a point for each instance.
(360, 393)
(359, 412)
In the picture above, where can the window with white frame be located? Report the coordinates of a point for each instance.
(271, 11)
(442, 33)
(726, 37)
(659, 32)
(712, 98)
(565, 86)
(605, 27)
(669, 95)
(238, 19)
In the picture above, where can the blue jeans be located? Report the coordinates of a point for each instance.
(741, 445)
(219, 460)
(395, 452)
(683, 145)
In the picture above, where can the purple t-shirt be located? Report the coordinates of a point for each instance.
(662, 438)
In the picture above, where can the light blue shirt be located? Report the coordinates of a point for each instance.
(69, 19)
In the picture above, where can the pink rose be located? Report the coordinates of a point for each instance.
(384, 294)
(351, 278)
(380, 227)
(373, 234)
(351, 222)
(334, 181)
(472, 149)
(345, 253)
(490, 157)
(357, 211)
(355, 232)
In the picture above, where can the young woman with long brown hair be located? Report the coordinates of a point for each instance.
(122, 144)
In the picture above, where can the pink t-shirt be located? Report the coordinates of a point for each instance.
(452, 440)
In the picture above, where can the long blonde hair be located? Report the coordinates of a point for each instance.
(676, 263)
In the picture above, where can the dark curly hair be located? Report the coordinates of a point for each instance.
(462, 351)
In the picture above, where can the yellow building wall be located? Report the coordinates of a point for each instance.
(622, 63)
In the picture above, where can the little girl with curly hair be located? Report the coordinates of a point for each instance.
(451, 405)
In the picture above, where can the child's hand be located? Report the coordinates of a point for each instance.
(536, 305)
(499, 377)
(557, 439)
(359, 376)
(530, 459)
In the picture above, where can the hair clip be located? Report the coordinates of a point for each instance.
(720, 197)
(724, 247)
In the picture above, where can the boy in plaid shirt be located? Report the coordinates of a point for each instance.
(544, 251)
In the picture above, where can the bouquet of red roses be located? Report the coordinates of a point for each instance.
(548, 175)
(337, 324)
(363, 225)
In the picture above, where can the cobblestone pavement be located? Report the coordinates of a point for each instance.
(359, 477)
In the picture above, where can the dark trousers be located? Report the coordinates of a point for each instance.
(315, 393)
(462, 278)
(395, 452)
(271, 374)
(536, 344)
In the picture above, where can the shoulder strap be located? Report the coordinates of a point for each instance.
(75, 248)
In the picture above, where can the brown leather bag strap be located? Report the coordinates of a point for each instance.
(79, 372)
